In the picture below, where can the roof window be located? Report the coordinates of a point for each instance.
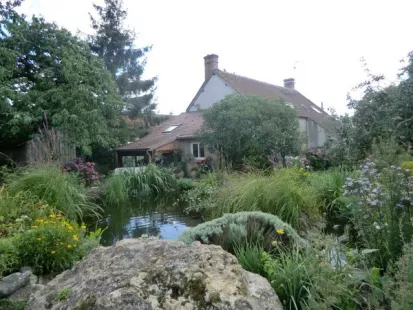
(170, 128)
(315, 109)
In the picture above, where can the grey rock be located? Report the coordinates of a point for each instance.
(157, 274)
(33, 278)
(23, 293)
(13, 282)
(26, 269)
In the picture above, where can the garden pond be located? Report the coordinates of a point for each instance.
(153, 218)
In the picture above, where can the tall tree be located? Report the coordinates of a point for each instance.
(45, 70)
(116, 45)
(243, 127)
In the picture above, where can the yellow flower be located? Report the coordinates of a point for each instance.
(52, 216)
(34, 226)
(274, 243)
(280, 231)
(53, 252)
(83, 227)
(69, 227)
(76, 238)
(40, 220)
(69, 246)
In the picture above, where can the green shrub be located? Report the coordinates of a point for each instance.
(289, 277)
(15, 210)
(53, 244)
(202, 196)
(307, 278)
(46, 184)
(329, 186)
(285, 193)
(399, 288)
(6, 304)
(150, 181)
(381, 208)
(185, 184)
(9, 258)
(231, 230)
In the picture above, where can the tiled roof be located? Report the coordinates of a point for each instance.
(188, 124)
(250, 87)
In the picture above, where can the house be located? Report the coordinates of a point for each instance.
(179, 132)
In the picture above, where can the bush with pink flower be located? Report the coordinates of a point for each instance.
(317, 159)
(85, 171)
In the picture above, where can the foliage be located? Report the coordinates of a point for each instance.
(117, 47)
(54, 244)
(85, 171)
(201, 198)
(63, 294)
(46, 184)
(150, 181)
(231, 230)
(288, 276)
(249, 256)
(9, 258)
(381, 210)
(49, 73)
(185, 184)
(311, 277)
(399, 287)
(329, 187)
(383, 113)
(6, 304)
(318, 159)
(240, 127)
(284, 192)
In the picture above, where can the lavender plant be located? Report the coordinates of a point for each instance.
(381, 209)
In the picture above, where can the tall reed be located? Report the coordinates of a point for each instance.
(151, 181)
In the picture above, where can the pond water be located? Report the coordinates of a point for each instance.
(154, 218)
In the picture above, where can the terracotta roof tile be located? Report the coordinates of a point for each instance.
(188, 124)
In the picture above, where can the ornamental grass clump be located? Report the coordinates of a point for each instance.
(52, 244)
(47, 184)
(285, 193)
(381, 210)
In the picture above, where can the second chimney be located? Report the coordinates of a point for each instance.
(211, 64)
(289, 83)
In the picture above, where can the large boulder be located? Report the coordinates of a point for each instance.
(157, 274)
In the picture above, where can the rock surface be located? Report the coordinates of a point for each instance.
(157, 274)
(23, 293)
(13, 282)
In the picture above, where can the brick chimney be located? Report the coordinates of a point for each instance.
(211, 64)
(289, 83)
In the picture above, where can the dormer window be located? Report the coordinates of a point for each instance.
(170, 128)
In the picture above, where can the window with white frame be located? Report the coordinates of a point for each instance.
(170, 128)
(198, 150)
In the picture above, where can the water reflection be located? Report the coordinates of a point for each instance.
(154, 218)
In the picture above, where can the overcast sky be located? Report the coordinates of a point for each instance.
(264, 40)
